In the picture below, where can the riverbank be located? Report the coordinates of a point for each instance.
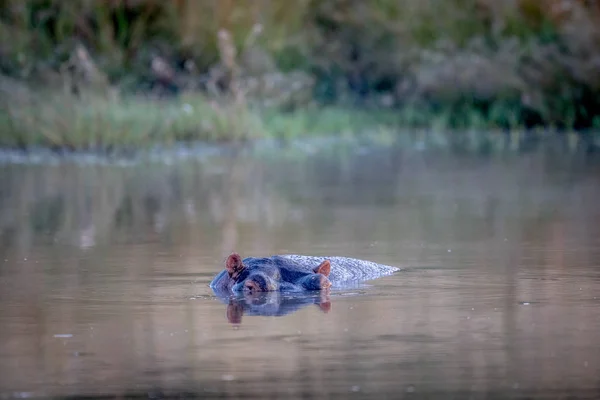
(125, 125)
(59, 121)
(119, 75)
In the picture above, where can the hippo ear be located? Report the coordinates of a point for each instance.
(234, 264)
(323, 268)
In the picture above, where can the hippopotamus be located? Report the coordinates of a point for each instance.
(294, 273)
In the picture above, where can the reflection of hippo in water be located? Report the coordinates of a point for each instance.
(271, 304)
(294, 273)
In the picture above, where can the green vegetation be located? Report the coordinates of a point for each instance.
(101, 124)
(128, 73)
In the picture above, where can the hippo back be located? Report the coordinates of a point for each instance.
(345, 270)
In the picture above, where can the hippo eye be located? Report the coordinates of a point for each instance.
(251, 286)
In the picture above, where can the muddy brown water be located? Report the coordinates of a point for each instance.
(104, 274)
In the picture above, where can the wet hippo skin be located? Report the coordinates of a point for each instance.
(294, 273)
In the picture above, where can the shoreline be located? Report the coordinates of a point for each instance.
(127, 125)
(487, 143)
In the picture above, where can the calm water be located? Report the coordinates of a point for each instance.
(104, 273)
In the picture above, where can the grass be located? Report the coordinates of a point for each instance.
(94, 123)
(129, 124)
(104, 124)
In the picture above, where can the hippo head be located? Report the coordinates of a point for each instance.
(265, 275)
(246, 279)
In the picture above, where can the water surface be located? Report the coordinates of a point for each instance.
(104, 275)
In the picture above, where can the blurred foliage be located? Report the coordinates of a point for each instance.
(507, 63)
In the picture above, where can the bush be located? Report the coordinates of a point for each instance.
(510, 62)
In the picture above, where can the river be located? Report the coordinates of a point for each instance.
(104, 272)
